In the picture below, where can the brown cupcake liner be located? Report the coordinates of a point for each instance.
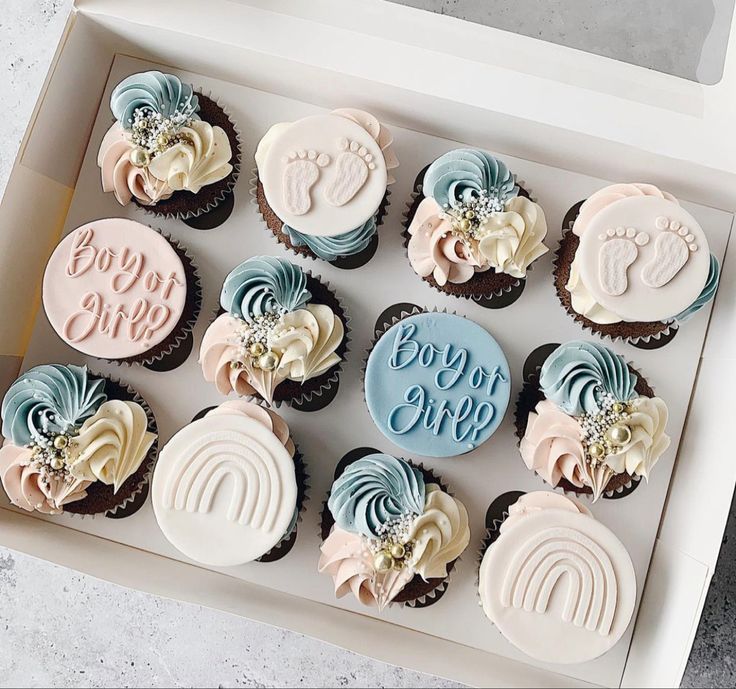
(101, 500)
(620, 485)
(184, 205)
(488, 285)
(417, 593)
(294, 393)
(274, 224)
(645, 335)
(183, 330)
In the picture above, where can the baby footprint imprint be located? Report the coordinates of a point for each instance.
(619, 251)
(300, 175)
(351, 173)
(672, 251)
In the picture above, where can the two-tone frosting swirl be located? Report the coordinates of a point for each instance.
(374, 491)
(112, 444)
(577, 374)
(332, 248)
(458, 175)
(49, 400)
(155, 92)
(264, 285)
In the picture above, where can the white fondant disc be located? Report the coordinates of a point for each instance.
(555, 565)
(314, 165)
(224, 490)
(631, 269)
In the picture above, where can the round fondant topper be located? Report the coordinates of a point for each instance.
(437, 384)
(644, 258)
(114, 288)
(324, 175)
(559, 585)
(224, 490)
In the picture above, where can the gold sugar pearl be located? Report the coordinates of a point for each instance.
(60, 442)
(268, 361)
(398, 551)
(257, 349)
(140, 157)
(619, 434)
(383, 561)
(597, 450)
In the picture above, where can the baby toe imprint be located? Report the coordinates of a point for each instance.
(672, 251)
(351, 173)
(619, 250)
(300, 175)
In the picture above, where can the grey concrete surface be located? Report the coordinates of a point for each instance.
(62, 629)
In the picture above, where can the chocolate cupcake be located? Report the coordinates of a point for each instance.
(281, 336)
(74, 442)
(172, 151)
(589, 423)
(633, 264)
(117, 290)
(471, 230)
(557, 584)
(436, 384)
(391, 532)
(321, 184)
(229, 487)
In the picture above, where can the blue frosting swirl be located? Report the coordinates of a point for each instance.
(709, 291)
(373, 491)
(459, 175)
(49, 400)
(153, 91)
(577, 374)
(262, 285)
(332, 248)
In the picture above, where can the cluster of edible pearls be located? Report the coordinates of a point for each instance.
(254, 342)
(606, 431)
(51, 453)
(469, 218)
(393, 549)
(152, 133)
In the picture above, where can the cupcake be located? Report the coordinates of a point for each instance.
(556, 583)
(117, 290)
(391, 533)
(436, 384)
(633, 264)
(471, 231)
(74, 442)
(588, 423)
(322, 181)
(173, 151)
(225, 490)
(280, 336)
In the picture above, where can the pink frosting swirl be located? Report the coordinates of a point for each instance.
(123, 178)
(26, 488)
(552, 446)
(434, 249)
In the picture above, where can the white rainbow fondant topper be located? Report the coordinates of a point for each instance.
(558, 585)
(224, 490)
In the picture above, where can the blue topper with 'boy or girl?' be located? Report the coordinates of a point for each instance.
(437, 385)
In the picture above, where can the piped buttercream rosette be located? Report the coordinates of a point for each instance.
(589, 424)
(473, 222)
(391, 532)
(167, 139)
(74, 442)
(280, 334)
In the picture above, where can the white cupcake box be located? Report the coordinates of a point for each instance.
(435, 81)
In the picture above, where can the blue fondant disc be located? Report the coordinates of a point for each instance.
(437, 385)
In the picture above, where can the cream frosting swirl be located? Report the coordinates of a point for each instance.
(27, 487)
(307, 340)
(124, 179)
(440, 534)
(513, 240)
(112, 444)
(647, 423)
(202, 158)
(552, 445)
